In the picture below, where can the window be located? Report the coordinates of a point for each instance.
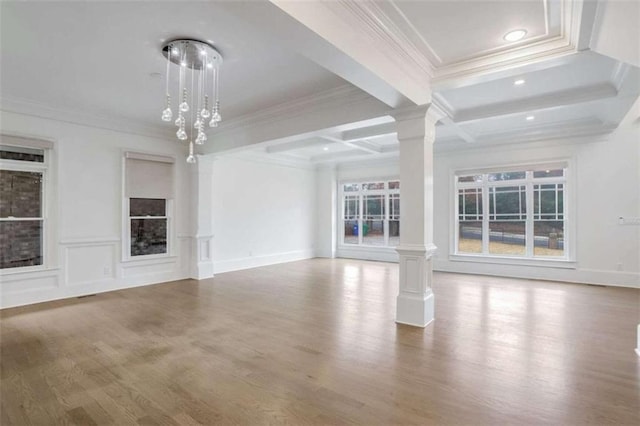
(148, 221)
(518, 213)
(22, 212)
(371, 213)
(148, 195)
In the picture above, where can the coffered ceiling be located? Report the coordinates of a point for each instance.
(314, 82)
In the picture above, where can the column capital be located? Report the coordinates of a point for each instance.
(417, 121)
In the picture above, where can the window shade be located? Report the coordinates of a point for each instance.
(148, 176)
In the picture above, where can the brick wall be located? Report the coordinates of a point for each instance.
(20, 241)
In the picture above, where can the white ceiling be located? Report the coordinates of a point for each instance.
(450, 33)
(100, 58)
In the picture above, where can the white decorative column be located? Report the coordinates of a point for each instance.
(202, 217)
(416, 134)
(326, 220)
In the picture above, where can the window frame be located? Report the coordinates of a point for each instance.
(529, 258)
(45, 200)
(126, 256)
(166, 216)
(360, 193)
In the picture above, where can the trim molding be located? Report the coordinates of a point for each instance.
(33, 108)
(230, 265)
(341, 95)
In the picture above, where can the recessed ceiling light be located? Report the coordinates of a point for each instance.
(519, 82)
(326, 148)
(515, 35)
(530, 117)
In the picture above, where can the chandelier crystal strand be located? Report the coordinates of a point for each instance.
(215, 113)
(184, 106)
(180, 121)
(201, 138)
(198, 121)
(191, 158)
(167, 114)
(203, 74)
(197, 106)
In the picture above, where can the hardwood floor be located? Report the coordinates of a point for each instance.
(314, 342)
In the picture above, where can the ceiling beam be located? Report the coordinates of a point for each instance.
(462, 134)
(551, 100)
(361, 145)
(369, 132)
(293, 145)
(394, 61)
(292, 34)
(303, 118)
(337, 156)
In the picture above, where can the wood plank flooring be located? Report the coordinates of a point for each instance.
(314, 342)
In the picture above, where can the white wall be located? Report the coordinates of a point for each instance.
(263, 213)
(606, 179)
(86, 214)
(606, 185)
(327, 211)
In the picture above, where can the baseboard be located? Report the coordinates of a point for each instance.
(578, 275)
(222, 266)
(40, 295)
(382, 254)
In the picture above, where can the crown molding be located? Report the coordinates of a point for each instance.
(386, 35)
(546, 135)
(572, 38)
(340, 96)
(346, 94)
(36, 109)
(395, 58)
(386, 26)
(276, 160)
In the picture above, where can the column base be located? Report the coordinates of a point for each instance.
(415, 309)
(201, 261)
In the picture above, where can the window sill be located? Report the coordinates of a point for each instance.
(519, 261)
(365, 247)
(151, 258)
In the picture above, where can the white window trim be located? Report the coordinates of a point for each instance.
(341, 195)
(167, 216)
(48, 257)
(125, 247)
(569, 203)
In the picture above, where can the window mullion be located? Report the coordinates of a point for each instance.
(485, 215)
(385, 222)
(529, 228)
(360, 216)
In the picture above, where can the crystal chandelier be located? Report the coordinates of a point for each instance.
(198, 73)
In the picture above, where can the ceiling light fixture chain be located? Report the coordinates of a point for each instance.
(204, 60)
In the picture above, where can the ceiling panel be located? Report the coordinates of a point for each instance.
(581, 72)
(456, 30)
